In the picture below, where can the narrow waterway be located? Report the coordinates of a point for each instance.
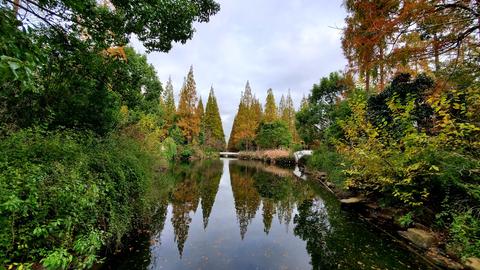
(231, 214)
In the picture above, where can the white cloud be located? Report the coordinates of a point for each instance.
(278, 44)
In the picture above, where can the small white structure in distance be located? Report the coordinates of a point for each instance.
(299, 154)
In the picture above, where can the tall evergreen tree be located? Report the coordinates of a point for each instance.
(246, 122)
(232, 144)
(257, 111)
(270, 108)
(168, 103)
(214, 136)
(200, 113)
(200, 109)
(288, 116)
(188, 119)
(281, 107)
(304, 103)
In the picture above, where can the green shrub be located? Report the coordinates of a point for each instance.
(406, 220)
(65, 195)
(465, 234)
(329, 161)
(169, 148)
(273, 135)
(185, 152)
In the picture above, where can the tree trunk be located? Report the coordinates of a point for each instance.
(478, 12)
(436, 53)
(382, 70)
(367, 80)
(16, 5)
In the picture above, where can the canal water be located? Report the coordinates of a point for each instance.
(232, 214)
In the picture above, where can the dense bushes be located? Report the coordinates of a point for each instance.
(411, 147)
(65, 195)
(328, 161)
(271, 135)
(410, 160)
(82, 126)
(465, 234)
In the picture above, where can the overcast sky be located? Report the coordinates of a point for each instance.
(278, 44)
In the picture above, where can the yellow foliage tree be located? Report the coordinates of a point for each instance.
(188, 119)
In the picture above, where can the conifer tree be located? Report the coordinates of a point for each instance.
(168, 104)
(304, 103)
(281, 107)
(188, 119)
(214, 136)
(257, 112)
(232, 146)
(246, 122)
(288, 116)
(270, 108)
(200, 113)
(200, 109)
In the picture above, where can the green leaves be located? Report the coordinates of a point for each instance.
(58, 259)
(157, 24)
(57, 187)
(273, 135)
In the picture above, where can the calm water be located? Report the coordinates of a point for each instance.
(231, 214)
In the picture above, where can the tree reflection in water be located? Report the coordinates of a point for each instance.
(312, 225)
(311, 231)
(199, 183)
(254, 185)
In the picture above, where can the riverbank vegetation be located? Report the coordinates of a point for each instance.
(401, 125)
(86, 126)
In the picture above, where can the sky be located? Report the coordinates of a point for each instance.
(278, 44)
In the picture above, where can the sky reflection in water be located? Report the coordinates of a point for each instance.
(231, 214)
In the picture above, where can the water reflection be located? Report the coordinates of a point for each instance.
(198, 184)
(210, 219)
(313, 226)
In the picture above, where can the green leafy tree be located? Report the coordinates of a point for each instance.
(403, 88)
(139, 87)
(120, 19)
(274, 134)
(78, 89)
(321, 110)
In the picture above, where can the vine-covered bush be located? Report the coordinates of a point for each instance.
(65, 195)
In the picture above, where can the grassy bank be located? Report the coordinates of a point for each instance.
(276, 156)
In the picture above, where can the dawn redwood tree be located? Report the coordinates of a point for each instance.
(200, 110)
(168, 104)
(231, 145)
(188, 119)
(281, 106)
(270, 108)
(287, 114)
(214, 136)
(383, 38)
(200, 113)
(246, 121)
(363, 44)
(257, 112)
